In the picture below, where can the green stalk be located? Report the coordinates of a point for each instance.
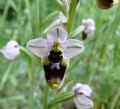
(115, 99)
(73, 6)
(5, 76)
(36, 11)
(31, 81)
(6, 9)
(30, 77)
(61, 98)
(46, 96)
(29, 16)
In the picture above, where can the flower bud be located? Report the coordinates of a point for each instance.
(89, 27)
(82, 89)
(106, 4)
(63, 18)
(82, 100)
(11, 50)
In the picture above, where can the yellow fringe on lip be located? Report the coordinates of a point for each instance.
(54, 86)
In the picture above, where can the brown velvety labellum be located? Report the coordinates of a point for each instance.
(54, 76)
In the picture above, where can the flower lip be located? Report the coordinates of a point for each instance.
(54, 73)
(109, 1)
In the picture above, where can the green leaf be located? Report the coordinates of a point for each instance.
(77, 31)
(59, 4)
(73, 6)
(6, 76)
(49, 17)
(61, 98)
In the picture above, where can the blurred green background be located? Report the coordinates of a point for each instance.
(98, 66)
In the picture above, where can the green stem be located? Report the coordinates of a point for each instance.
(61, 98)
(65, 8)
(115, 99)
(46, 96)
(31, 82)
(29, 16)
(30, 77)
(5, 76)
(36, 3)
(23, 49)
(6, 9)
(72, 11)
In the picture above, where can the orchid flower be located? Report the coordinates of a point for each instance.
(89, 27)
(82, 91)
(55, 52)
(11, 50)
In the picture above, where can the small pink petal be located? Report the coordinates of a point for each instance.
(88, 22)
(62, 18)
(77, 86)
(73, 48)
(12, 44)
(82, 89)
(83, 102)
(39, 47)
(57, 32)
